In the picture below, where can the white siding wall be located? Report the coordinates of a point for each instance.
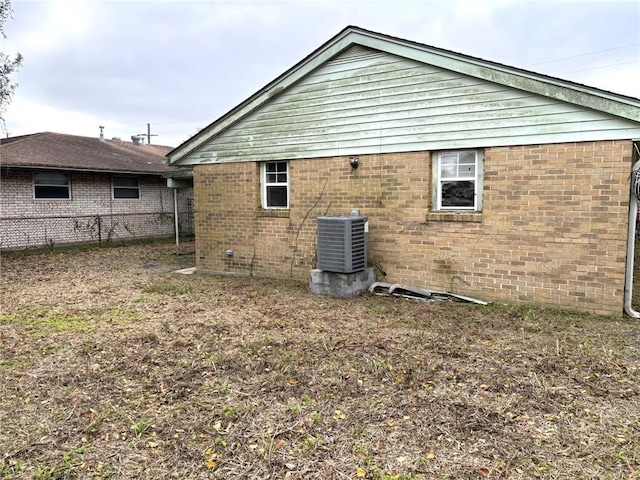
(364, 101)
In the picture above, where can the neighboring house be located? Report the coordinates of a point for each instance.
(60, 189)
(477, 178)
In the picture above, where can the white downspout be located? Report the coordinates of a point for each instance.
(175, 220)
(631, 239)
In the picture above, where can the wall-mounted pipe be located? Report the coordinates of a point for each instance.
(175, 220)
(631, 241)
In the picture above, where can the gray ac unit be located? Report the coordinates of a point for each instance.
(342, 243)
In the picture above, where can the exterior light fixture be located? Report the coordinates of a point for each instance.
(354, 162)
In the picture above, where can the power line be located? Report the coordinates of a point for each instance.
(602, 66)
(584, 54)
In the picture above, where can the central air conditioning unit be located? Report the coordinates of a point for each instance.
(342, 243)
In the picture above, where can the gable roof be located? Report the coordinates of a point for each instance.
(75, 153)
(619, 106)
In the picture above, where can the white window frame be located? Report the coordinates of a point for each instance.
(124, 187)
(53, 185)
(458, 176)
(267, 184)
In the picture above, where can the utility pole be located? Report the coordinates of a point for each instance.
(148, 134)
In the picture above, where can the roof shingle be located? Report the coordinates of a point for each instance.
(70, 152)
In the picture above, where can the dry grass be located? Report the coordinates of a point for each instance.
(112, 366)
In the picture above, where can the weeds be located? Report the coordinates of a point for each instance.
(66, 467)
(141, 427)
(158, 376)
(43, 321)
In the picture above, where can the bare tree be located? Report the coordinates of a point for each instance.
(8, 65)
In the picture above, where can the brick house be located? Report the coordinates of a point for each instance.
(61, 189)
(477, 178)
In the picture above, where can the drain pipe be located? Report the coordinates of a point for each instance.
(175, 220)
(631, 239)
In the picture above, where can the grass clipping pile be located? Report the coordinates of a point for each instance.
(112, 366)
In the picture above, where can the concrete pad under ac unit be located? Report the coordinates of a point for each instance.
(341, 285)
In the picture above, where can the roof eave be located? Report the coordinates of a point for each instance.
(82, 170)
(557, 88)
(180, 174)
(563, 90)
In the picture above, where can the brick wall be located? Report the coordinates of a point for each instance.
(26, 222)
(552, 231)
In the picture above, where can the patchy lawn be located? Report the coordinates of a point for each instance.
(112, 366)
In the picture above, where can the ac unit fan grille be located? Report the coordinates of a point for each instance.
(342, 244)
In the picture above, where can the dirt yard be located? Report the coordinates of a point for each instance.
(114, 367)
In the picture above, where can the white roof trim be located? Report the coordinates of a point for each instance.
(590, 97)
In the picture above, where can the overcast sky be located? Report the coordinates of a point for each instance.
(179, 65)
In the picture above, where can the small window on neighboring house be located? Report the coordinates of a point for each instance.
(126, 187)
(51, 185)
(275, 185)
(458, 180)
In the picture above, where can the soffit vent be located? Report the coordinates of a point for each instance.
(355, 53)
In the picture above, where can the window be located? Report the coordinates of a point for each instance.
(51, 185)
(126, 187)
(275, 185)
(458, 180)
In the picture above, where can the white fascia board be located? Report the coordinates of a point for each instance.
(584, 96)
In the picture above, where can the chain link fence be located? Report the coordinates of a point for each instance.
(19, 233)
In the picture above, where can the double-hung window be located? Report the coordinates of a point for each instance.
(458, 180)
(125, 187)
(275, 185)
(51, 185)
